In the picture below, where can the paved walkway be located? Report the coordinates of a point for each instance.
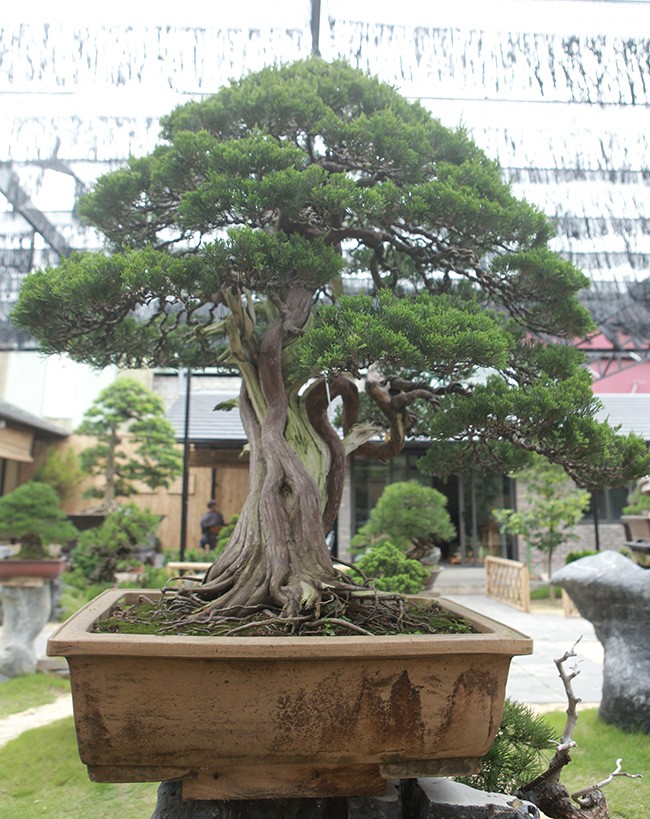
(534, 679)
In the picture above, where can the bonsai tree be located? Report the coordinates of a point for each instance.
(553, 508)
(100, 552)
(232, 243)
(412, 516)
(31, 515)
(638, 502)
(127, 412)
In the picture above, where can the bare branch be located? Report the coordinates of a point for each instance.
(580, 795)
(567, 679)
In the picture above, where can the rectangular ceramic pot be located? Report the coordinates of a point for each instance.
(247, 717)
(12, 568)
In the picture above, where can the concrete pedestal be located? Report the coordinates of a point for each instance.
(26, 607)
(432, 798)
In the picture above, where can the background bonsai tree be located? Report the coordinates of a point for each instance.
(553, 508)
(31, 515)
(116, 544)
(638, 502)
(412, 516)
(231, 243)
(135, 442)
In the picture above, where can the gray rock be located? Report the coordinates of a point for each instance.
(376, 807)
(25, 611)
(613, 593)
(438, 798)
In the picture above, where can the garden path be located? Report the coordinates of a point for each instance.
(14, 725)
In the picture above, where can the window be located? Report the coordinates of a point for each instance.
(610, 504)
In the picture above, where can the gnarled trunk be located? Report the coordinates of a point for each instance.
(277, 554)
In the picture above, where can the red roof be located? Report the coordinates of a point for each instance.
(626, 377)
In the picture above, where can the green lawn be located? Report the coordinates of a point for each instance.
(599, 746)
(43, 776)
(29, 691)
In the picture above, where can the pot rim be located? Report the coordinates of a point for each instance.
(74, 638)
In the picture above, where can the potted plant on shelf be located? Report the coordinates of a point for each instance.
(229, 246)
(636, 523)
(31, 515)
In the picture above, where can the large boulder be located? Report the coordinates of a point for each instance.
(613, 593)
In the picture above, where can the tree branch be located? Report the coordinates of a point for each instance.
(546, 791)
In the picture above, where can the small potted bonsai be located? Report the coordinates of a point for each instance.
(636, 523)
(118, 545)
(31, 515)
(414, 518)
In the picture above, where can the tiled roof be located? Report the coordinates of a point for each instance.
(631, 411)
(206, 423)
(8, 412)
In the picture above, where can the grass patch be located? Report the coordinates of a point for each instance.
(544, 593)
(599, 746)
(43, 776)
(30, 690)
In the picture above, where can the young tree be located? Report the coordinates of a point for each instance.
(229, 243)
(61, 470)
(554, 508)
(128, 413)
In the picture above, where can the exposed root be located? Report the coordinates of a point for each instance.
(339, 612)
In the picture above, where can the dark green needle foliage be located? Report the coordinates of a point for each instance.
(519, 752)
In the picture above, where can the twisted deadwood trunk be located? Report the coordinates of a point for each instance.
(277, 555)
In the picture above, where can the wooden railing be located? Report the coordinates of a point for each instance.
(507, 580)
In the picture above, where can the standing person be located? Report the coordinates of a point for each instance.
(211, 523)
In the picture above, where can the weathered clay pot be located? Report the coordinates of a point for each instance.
(45, 569)
(246, 717)
(434, 574)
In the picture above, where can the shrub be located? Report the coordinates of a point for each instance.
(125, 530)
(638, 503)
(391, 570)
(577, 555)
(412, 516)
(517, 754)
(62, 471)
(224, 534)
(76, 591)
